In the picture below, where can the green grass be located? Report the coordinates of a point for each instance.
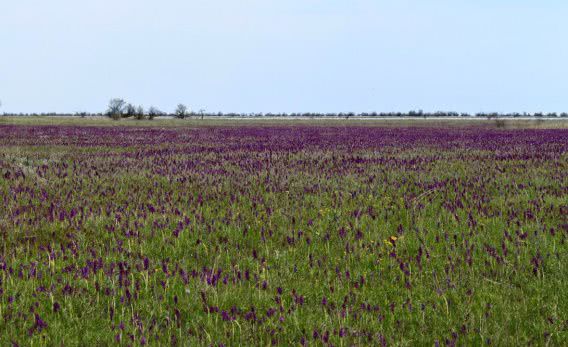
(228, 122)
(312, 217)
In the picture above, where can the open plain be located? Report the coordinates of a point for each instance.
(287, 232)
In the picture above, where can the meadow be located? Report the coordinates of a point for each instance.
(283, 233)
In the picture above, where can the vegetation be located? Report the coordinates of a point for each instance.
(181, 111)
(118, 108)
(285, 235)
(154, 112)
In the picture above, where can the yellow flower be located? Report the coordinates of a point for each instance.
(391, 241)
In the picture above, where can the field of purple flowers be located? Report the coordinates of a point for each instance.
(284, 235)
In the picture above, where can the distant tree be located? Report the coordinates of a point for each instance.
(139, 114)
(129, 111)
(202, 113)
(181, 111)
(153, 112)
(116, 108)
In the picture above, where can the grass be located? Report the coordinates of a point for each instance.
(282, 233)
(196, 122)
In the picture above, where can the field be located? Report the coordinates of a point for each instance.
(286, 233)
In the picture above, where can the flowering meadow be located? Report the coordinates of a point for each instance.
(283, 235)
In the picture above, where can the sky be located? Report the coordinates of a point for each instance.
(286, 55)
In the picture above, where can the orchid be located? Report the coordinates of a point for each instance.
(283, 234)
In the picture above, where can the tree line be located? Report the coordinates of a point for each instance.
(120, 109)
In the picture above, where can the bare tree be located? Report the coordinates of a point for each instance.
(116, 108)
(153, 112)
(139, 113)
(181, 111)
(129, 111)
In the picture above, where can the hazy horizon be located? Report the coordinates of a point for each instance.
(294, 56)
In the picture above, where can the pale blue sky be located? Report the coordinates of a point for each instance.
(285, 56)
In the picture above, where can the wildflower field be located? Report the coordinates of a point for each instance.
(283, 234)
